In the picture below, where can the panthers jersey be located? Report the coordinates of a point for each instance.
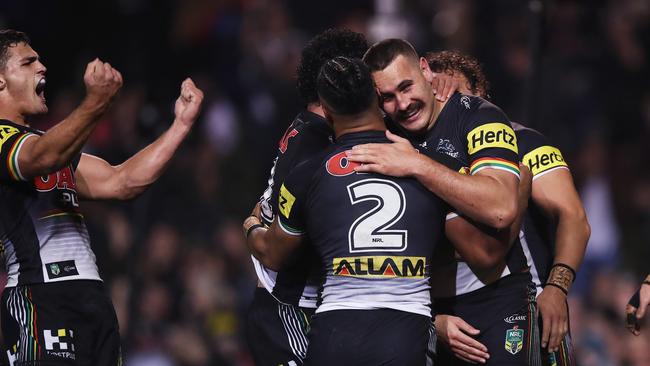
(479, 136)
(538, 232)
(42, 230)
(375, 235)
(308, 135)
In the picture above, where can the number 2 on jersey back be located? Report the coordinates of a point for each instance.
(372, 230)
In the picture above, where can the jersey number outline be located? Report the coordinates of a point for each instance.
(371, 231)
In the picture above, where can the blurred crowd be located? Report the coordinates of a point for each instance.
(174, 260)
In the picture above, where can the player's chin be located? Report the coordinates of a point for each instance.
(416, 126)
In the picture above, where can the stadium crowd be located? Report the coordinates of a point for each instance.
(175, 260)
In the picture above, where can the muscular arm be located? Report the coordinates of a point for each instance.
(272, 246)
(96, 179)
(555, 193)
(488, 197)
(484, 248)
(41, 155)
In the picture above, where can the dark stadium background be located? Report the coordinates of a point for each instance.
(174, 260)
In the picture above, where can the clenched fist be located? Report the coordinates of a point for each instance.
(188, 103)
(102, 81)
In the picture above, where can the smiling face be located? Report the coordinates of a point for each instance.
(22, 83)
(406, 94)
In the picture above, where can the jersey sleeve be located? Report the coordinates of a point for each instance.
(11, 141)
(491, 140)
(292, 197)
(538, 154)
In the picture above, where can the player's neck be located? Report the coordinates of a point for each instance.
(369, 121)
(17, 118)
(437, 109)
(316, 108)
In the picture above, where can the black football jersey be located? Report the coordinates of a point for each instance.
(375, 235)
(42, 230)
(308, 135)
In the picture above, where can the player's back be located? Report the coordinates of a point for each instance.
(374, 234)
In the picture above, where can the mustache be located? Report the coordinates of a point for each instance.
(401, 115)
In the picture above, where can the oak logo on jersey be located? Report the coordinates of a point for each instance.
(339, 165)
(544, 158)
(285, 201)
(380, 267)
(514, 340)
(5, 133)
(491, 135)
(284, 142)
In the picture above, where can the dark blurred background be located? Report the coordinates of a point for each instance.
(174, 259)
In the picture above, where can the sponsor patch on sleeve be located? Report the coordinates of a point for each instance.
(286, 201)
(543, 159)
(491, 135)
(5, 133)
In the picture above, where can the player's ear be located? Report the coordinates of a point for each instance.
(3, 82)
(426, 70)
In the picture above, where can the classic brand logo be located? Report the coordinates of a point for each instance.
(496, 135)
(543, 158)
(514, 318)
(59, 343)
(380, 267)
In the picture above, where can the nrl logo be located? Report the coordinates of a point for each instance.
(54, 268)
(514, 340)
(446, 147)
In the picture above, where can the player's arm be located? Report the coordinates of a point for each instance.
(96, 179)
(555, 193)
(42, 155)
(484, 248)
(272, 246)
(637, 307)
(489, 196)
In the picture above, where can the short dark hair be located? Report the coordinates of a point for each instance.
(449, 61)
(320, 49)
(345, 86)
(381, 54)
(10, 38)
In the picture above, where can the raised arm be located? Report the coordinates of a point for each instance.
(42, 155)
(96, 179)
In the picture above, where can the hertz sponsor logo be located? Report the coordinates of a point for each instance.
(491, 135)
(5, 133)
(380, 267)
(543, 158)
(286, 201)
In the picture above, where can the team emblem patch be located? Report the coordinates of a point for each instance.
(54, 268)
(514, 340)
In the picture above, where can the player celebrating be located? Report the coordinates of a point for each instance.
(55, 309)
(374, 236)
(555, 229)
(480, 137)
(284, 302)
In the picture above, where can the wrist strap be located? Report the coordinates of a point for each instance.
(253, 227)
(566, 293)
(573, 272)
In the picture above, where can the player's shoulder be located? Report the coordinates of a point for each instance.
(528, 138)
(310, 122)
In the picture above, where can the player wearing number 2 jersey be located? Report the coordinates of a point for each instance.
(374, 235)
